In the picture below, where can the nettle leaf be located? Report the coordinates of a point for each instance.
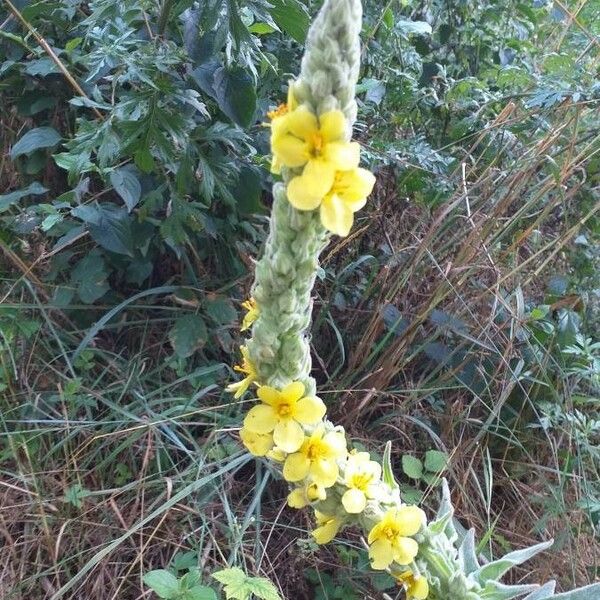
(236, 94)
(412, 467)
(188, 334)
(90, 276)
(199, 592)
(291, 16)
(240, 586)
(163, 583)
(35, 139)
(127, 185)
(220, 309)
(34, 189)
(109, 225)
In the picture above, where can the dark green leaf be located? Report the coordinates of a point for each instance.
(34, 139)
(236, 94)
(187, 335)
(221, 310)
(33, 189)
(292, 17)
(127, 185)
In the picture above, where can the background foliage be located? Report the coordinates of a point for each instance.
(460, 320)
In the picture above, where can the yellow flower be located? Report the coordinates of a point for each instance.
(249, 371)
(317, 458)
(299, 139)
(327, 527)
(251, 315)
(281, 111)
(258, 444)
(347, 196)
(283, 413)
(303, 496)
(362, 477)
(417, 587)
(389, 540)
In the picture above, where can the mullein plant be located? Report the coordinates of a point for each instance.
(319, 188)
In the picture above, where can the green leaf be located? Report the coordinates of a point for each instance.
(412, 467)
(187, 335)
(90, 275)
(248, 192)
(416, 27)
(199, 592)
(292, 17)
(388, 472)
(109, 225)
(436, 461)
(261, 28)
(127, 185)
(163, 583)
(41, 137)
(388, 18)
(34, 189)
(239, 586)
(221, 310)
(236, 94)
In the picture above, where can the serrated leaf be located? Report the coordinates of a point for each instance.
(412, 467)
(35, 139)
(239, 586)
(163, 583)
(435, 461)
(127, 185)
(220, 310)
(199, 592)
(90, 275)
(187, 335)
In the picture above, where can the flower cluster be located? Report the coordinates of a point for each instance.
(328, 176)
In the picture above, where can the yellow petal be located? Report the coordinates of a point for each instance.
(326, 532)
(290, 151)
(309, 410)
(297, 498)
(325, 472)
(380, 553)
(354, 501)
(336, 441)
(299, 197)
(240, 387)
(419, 589)
(293, 391)
(315, 492)
(257, 443)
(318, 176)
(405, 550)
(296, 467)
(375, 532)
(344, 156)
(301, 123)
(261, 419)
(333, 126)
(268, 395)
(288, 435)
(354, 186)
(336, 215)
(409, 519)
(276, 454)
